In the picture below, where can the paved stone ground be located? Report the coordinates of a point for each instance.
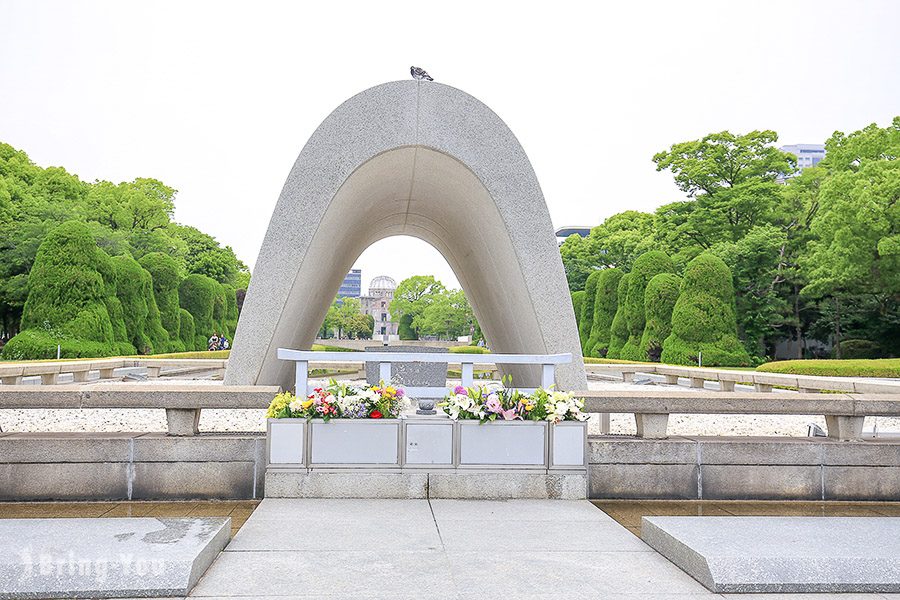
(443, 549)
(628, 513)
(238, 510)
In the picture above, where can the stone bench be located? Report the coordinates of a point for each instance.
(844, 413)
(155, 365)
(762, 381)
(49, 371)
(182, 403)
(12, 374)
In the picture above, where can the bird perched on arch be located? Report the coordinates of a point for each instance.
(420, 74)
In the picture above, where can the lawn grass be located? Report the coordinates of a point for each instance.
(877, 367)
(220, 354)
(326, 348)
(331, 372)
(590, 360)
(469, 350)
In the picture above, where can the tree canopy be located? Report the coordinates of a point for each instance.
(129, 218)
(813, 254)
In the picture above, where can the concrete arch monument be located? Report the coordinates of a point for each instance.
(425, 160)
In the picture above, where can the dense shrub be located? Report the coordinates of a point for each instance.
(231, 311)
(880, 367)
(646, 267)
(858, 349)
(659, 300)
(165, 273)
(578, 304)
(200, 295)
(618, 329)
(134, 288)
(34, 344)
(703, 319)
(69, 299)
(604, 310)
(587, 310)
(187, 331)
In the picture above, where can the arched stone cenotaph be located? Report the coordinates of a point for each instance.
(425, 160)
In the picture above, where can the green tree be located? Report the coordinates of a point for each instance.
(856, 245)
(578, 261)
(412, 296)
(758, 263)
(733, 181)
(703, 320)
(345, 316)
(450, 315)
(604, 310)
(404, 328)
(646, 266)
(621, 238)
(659, 301)
(618, 329)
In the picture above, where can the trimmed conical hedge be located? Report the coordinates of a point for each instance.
(659, 301)
(587, 311)
(165, 275)
(578, 304)
(134, 289)
(71, 293)
(187, 331)
(646, 266)
(200, 295)
(618, 330)
(605, 304)
(703, 319)
(231, 311)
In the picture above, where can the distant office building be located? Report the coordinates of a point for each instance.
(352, 285)
(564, 232)
(376, 303)
(808, 155)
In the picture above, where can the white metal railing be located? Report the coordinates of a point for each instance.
(467, 363)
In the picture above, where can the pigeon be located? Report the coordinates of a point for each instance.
(420, 74)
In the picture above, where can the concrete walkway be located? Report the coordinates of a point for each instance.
(443, 549)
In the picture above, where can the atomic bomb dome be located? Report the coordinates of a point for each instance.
(382, 283)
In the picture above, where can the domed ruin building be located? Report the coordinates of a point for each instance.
(377, 303)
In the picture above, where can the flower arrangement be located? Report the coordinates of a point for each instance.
(341, 401)
(492, 402)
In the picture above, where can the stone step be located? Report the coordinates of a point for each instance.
(107, 557)
(782, 554)
(462, 484)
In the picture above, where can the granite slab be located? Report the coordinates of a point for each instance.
(782, 554)
(107, 558)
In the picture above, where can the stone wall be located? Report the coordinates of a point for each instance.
(741, 468)
(130, 466)
(151, 466)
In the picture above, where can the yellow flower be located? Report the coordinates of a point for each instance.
(307, 404)
(529, 406)
(390, 390)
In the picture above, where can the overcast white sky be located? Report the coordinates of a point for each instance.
(217, 99)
